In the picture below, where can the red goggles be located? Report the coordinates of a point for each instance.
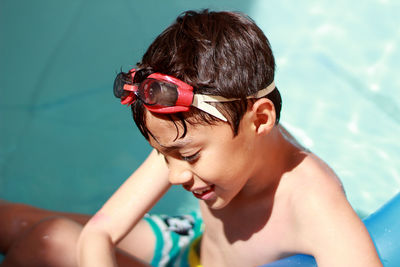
(162, 93)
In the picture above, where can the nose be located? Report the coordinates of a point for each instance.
(179, 174)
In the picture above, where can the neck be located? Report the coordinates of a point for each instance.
(277, 154)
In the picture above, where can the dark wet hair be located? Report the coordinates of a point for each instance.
(218, 53)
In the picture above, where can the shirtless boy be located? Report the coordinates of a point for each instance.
(261, 195)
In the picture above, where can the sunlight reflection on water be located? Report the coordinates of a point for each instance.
(336, 69)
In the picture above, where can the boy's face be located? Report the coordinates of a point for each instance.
(208, 161)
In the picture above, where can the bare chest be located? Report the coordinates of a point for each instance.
(247, 240)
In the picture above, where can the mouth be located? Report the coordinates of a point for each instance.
(204, 193)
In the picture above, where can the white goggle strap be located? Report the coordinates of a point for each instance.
(200, 101)
(264, 92)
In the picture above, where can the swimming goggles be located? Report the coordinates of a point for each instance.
(161, 93)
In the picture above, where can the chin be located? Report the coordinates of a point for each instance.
(216, 204)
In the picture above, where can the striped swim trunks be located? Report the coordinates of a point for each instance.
(177, 239)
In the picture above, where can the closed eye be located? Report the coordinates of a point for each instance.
(192, 158)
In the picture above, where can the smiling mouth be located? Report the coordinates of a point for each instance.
(204, 193)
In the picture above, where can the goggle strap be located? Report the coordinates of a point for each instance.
(216, 98)
(199, 101)
(264, 92)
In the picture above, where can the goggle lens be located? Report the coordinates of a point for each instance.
(155, 92)
(119, 82)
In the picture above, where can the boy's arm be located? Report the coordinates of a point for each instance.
(122, 212)
(330, 229)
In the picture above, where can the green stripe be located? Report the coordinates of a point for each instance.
(159, 242)
(175, 250)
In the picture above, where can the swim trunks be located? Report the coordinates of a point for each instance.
(177, 239)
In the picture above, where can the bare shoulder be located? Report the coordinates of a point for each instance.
(315, 193)
(313, 178)
(311, 174)
(324, 222)
(312, 185)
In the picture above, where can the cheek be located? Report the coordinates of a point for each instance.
(224, 166)
(238, 154)
(239, 163)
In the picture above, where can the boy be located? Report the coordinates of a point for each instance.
(205, 99)
(262, 196)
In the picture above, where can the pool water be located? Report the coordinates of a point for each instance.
(337, 70)
(67, 144)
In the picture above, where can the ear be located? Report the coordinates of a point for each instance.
(263, 116)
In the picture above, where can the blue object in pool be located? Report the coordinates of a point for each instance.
(384, 227)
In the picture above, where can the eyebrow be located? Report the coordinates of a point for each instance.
(177, 145)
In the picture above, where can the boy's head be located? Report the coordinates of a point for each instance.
(217, 53)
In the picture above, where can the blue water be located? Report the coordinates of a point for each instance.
(66, 143)
(337, 69)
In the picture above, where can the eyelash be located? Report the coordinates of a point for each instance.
(191, 158)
